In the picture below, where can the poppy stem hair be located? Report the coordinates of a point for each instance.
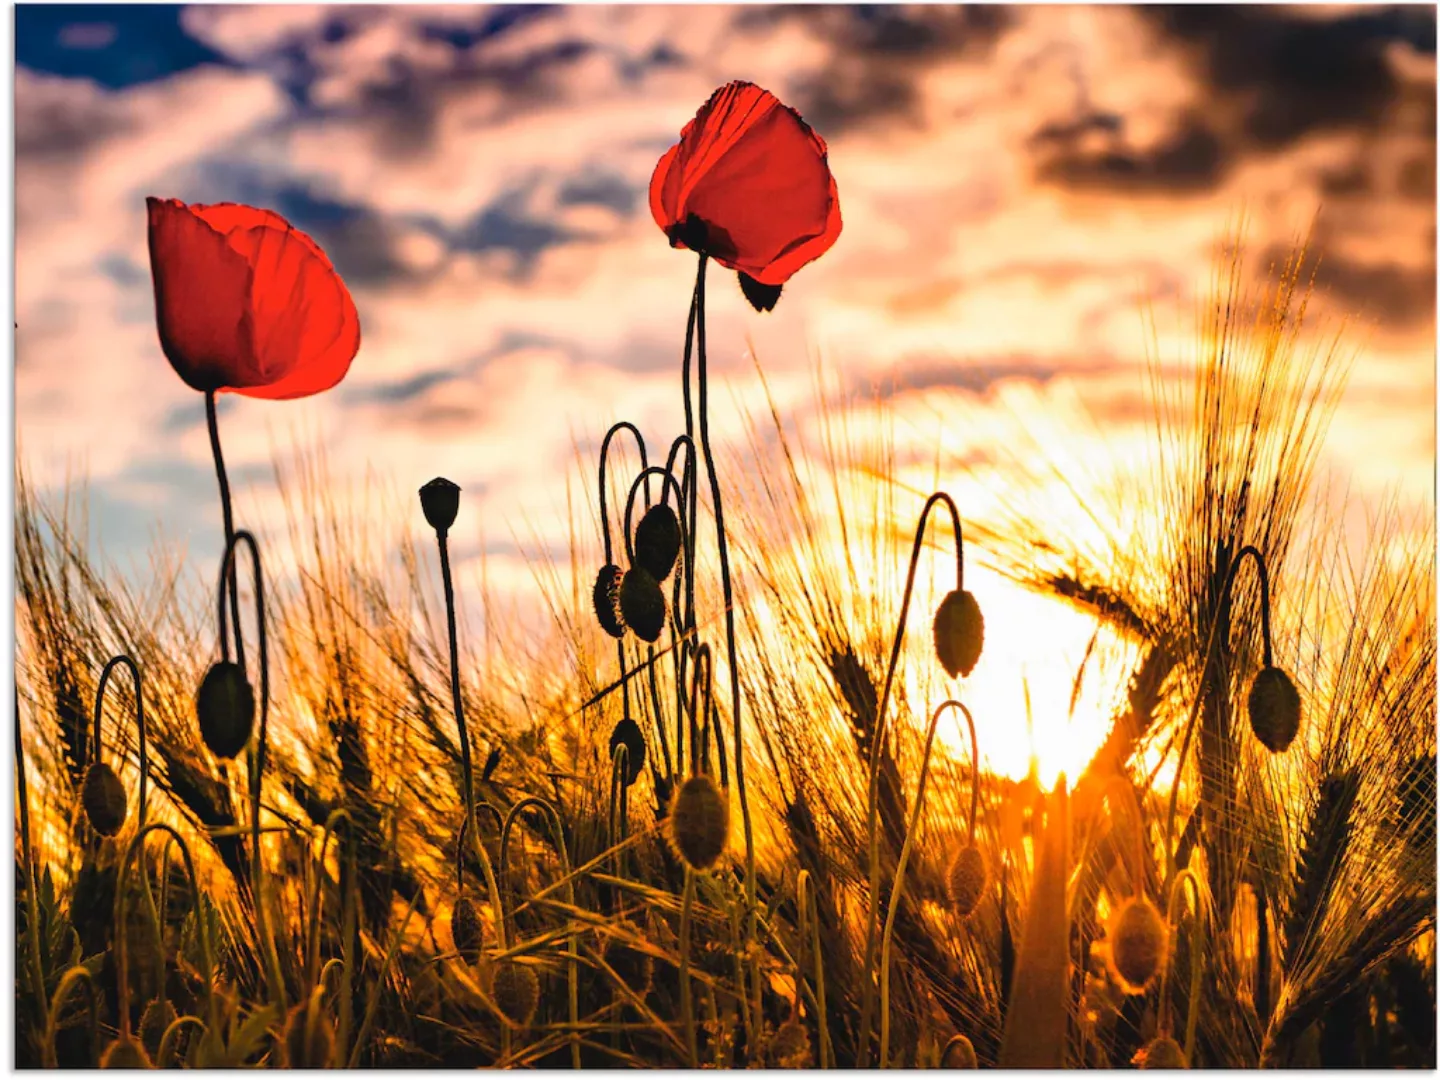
(899, 885)
(1210, 648)
(213, 423)
(110, 666)
(876, 740)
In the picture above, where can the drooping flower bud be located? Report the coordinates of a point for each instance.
(627, 733)
(103, 796)
(657, 541)
(516, 991)
(225, 707)
(698, 824)
(1274, 706)
(966, 880)
(959, 633)
(440, 500)
(642, 604)
(1139, 941)
(606, 598)
(466, 930)
(308, 1045)
(1161, 1053)
(125, 1053)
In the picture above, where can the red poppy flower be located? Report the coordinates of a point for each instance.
(749, 185)
(246, 302)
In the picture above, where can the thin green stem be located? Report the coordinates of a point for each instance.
(77, 975)
(166, 1051)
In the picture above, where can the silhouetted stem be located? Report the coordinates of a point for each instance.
(808, 912)
(571, 947)
(469, 776)
(876, 741)
(1210, 644)
(166, 1050)
(313, 951)
(114, 662)
(257, 752)
(687, 1008)
(213, 423)
(898, 888)
(1188, 878)
(76, 975)
(615, 429)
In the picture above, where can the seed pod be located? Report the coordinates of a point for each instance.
(606, 598)
(1162, 1053)
(1274, 709)
(1139, 941)
(628, 733)
(125, 1053)
(959, 1054)
(642, 604)
(959, 633)
(440, 501)
(103, 796)
(516, 991)
(657, 541)
(158, 1016)
(790, 1048)
(699, 822)
(966, 880)
(225, 707)
(635, 967)
(466, 929)
(308, 1045)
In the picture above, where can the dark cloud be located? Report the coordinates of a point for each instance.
(919, 374)
(507, 225)
(879, 53)
(1094, 153)
(1400, 297)
(1296, 74)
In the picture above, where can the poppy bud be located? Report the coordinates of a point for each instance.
(790, 1048)
(125, 1053)
(635, 967)
(966, 880)
(627, 733)
(466, 930)
(699, 822)
(959, 633)
(1274, 709)
(158, 1016)
(1162, 1053)
(225, 707)
(642, 604)
(307, 1045)
(516, 991)
(440, 499)
(1139, 941)
(607, 600)
(959, 1054)
(103, 797)
(657, 541)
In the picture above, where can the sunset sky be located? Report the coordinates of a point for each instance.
(1019, 186)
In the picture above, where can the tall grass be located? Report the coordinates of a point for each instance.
(1316, 937)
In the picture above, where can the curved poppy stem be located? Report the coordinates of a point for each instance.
(682, 591)
(876, 742)
(313, 951)
(257, 753)
(644, 477)
(212, 421)
(571, 946)
(1186, 877)
(75, 975)
(899, 886)
(1210, 643)
(615, 429)
(111, 665)
(460, 843)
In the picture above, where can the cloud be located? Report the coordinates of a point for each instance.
(1017, 184)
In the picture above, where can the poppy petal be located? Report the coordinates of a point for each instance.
(200, 287)
(301, 310)
(227, 217)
